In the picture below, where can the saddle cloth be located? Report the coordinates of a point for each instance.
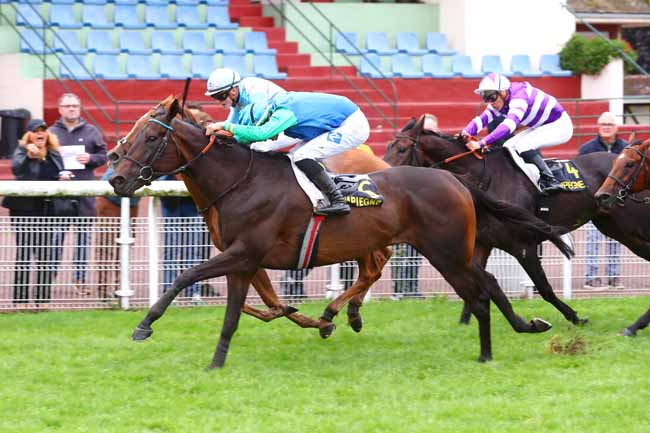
(565, 171)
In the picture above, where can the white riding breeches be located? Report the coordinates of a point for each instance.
(353, 131)
(551, 134)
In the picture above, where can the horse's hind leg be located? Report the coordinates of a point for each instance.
(641, 323)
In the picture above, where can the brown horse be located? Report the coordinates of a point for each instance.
(630, 174)
(262, 213)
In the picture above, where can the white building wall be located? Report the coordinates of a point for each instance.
(17, 91)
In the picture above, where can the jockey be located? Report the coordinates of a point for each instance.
(522, 105)
(324, 124)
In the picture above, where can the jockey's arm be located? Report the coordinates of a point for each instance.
(280, 120)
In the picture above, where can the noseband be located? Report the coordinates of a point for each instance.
(624, 192)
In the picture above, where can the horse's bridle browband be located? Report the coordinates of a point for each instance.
(624, 192)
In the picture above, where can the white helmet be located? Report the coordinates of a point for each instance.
(221, 80)
(493, 82)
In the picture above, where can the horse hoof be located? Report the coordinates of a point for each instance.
(212, 366)
(486, 358)
(463, 322)
(327, 330)
(581, 322)
(356, 323)
(288, 309)
(540, 325)
(141, 334)
(627, 333)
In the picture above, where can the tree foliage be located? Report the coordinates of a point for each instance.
(589, 56)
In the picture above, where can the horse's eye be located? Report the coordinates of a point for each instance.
(629, 164)
(401, 149)
(152, 138)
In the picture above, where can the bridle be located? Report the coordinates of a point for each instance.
(624, 192)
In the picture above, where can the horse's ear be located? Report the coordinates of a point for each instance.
(409, 125)
(174, 109)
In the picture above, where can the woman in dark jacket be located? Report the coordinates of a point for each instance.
(36, 158)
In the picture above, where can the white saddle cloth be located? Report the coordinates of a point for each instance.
(307, 186)
(530, 170)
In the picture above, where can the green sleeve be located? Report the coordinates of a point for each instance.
(280, 120)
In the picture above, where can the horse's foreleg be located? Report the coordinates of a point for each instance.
(641, 323)
(481, 254)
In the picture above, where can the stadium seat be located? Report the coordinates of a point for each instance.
(437, 43)
(407, 42)
(189, 2)
(520, 65)
(236, 63)
(63, 16)
(157, 16)
(202, 65)
(94, 16)
(226, 43)
(29, 15)
(108, 67)
(62, 2)
(266, 66)
(99, 41)
(377, 42)
(126, 16)
(164, 43)
(349, 46)
(402, 66)
(550, 64)
(188, 17)
(156, 2)
(462, 65)
(33, 42)
(492, 63)
(67, 42)
(126, 2)
(195, 43)
(133, 43)
(96, 2)
(216, 2)
(255, 42)
(139, 67)
(371, 66)
(71, 67)
(171, 67)
(218, 17)
(433, 66)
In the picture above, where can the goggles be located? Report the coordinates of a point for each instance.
(489, 97)
(221, 96)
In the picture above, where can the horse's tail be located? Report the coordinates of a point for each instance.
(528, 226)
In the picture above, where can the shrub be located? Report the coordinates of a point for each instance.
(589, 56)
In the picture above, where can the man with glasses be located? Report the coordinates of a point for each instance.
(521, 105)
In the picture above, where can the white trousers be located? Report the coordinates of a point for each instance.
(551, 134)
(353, 131)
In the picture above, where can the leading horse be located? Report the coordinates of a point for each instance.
(263, 212)
(495, 172)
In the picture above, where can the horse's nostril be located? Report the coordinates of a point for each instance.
(113, 157)
(116, 181)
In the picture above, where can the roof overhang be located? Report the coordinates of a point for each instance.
(623, 19)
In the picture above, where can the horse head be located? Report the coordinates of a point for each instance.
(630, 173)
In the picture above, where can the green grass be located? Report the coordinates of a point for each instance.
(412, 369)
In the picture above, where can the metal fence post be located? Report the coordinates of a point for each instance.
(567, 270)
(152, 242)
(335, 287)
(125, 240)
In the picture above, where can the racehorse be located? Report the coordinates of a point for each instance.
(630, 174)
(262, 213)
(495, 172)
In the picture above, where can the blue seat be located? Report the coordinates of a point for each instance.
(139, 67)
(194, 43)
(164, 43)
(171, 67)
(377, 42)
(492, 63)
(67, 42)
(520, 65)
(437, 43)
(107, 67)
(70, 67)
(202, 65)
(63, 16)
(346, 43)
(127, 16)
(236, 63)
(402, 66)
(255, 42)
(216, 2)
(371, 66)
(99, 41)
(95, 16)
(462, 65)
(189, 2)
(62, 2)
(157, 16)
(133, 43)
(33, 42)
(433, 66)
(266, 66)
(126, 2)
(550, 64)
(188, 17)
(407, 42)
(157, 2)
(29, 15)
(96, 2)
(218, 17)
(226, 43)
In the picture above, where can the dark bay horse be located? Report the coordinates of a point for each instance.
(262, 213)
(630, 174)
(496, 173)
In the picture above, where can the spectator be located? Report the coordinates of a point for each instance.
(606, 141)
(37, 157)
(88, 154)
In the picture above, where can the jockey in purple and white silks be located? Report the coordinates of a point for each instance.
(522, 105)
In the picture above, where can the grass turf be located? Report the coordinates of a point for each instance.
(412, 369)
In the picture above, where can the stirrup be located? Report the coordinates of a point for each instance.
(332, 209)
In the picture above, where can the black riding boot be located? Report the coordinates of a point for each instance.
(547, 182)
(315, 173)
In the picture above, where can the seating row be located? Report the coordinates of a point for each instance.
(125, 2)
(144, 67)
(164, 42)
(126, 16)
(433, 65)
(406, 42)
